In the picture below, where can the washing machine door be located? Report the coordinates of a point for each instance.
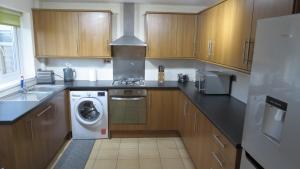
(89, 111)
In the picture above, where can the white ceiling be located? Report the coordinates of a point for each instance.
(174, 2)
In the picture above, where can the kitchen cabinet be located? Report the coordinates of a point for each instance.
(226, 32)
(267, 9)
(33, 141)
(207, 33)
(161, 35)
(44, 31)
(207, 147)
(66, 34)
(186, 36)
(94, 34)
(162, 110)
(170, 35)
(235, 33)
(60, 33)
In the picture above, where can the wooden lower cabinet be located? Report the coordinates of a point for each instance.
(162, 109)
(33, 141)
(207, 147)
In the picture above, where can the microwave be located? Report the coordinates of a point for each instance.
(213, 82)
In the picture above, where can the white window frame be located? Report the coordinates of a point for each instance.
(10, 77)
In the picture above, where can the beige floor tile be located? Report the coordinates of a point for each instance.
(105, 164)
(183, 153)
(113, 140)
(170, 143)
(93, 154)
(129, 140)
(169, 153)
(129, 145)
(107, 154)
(97, 144)
(150, 164)
(110, 145)
(179, 144)
(146, 140)
(128, 154)
(152, 145)
(148, 153)
(89, 164)
(188, 164)
(128, 164)
(172, 164)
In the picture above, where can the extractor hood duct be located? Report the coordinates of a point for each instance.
(128, 39)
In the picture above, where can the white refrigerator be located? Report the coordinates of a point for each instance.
(271, 138)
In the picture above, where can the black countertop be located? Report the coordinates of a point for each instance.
(225, 112)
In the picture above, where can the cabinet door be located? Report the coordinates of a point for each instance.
(94, 34)
(224, 154)
(45, 33)
(58, 122)
(267, 9)
(66, 34)
(235, 33)
(207, 32)
(162, 112)
(161, 35)
(41, 136)
(186, 36)
(23, 136)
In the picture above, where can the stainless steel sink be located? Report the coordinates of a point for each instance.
(28, 96)
(34, 93)
(46, 88)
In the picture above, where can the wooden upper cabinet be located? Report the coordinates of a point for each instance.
(267, 9)
(66, 33)
(94, 34)
(170, 35)
(161, 35)
(44, 31)
(61, 33)
(235, 33)
(206, 34)
(186, 31)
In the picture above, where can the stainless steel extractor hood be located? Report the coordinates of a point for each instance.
(128, 39)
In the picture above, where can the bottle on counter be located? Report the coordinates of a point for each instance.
(161, 74)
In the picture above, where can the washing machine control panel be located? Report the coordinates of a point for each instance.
(101, 93)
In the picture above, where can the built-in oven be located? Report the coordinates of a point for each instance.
(128, 106)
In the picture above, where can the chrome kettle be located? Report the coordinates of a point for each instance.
(69, 74)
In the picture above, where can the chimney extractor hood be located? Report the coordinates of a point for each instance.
(128, 39)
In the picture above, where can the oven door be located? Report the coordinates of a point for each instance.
(128, 110)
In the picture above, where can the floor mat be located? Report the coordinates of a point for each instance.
(76, 155)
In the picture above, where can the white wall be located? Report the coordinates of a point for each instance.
(26, 37)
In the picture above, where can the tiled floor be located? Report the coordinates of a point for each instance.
(139, 153)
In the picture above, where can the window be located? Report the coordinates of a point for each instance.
(9, 60)
(9, 48)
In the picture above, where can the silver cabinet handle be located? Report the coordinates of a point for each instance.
(44, 111)
(245, 52)
(217, 159)
(216, 138)
(127, 98)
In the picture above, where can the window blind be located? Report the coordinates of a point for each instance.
(9, 17)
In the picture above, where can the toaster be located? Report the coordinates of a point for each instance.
(45, 77)
(213, 82)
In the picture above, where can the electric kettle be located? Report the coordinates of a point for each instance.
(69, 74)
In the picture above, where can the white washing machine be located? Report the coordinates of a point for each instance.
(89, 114)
